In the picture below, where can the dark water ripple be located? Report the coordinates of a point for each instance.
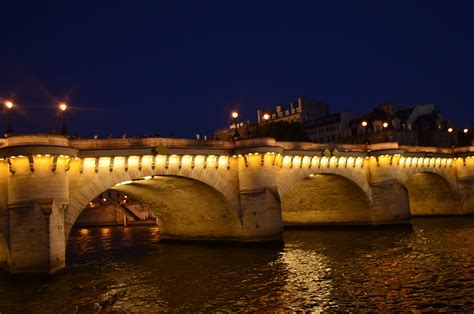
(429, 268)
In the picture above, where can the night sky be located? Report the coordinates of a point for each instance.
(174, 68)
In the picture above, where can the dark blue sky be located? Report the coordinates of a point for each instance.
(176, 67)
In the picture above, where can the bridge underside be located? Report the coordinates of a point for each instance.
(186, 208)
(241, 190)
(430, 194)
(326, 199)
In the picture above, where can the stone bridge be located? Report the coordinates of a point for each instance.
(215, 190)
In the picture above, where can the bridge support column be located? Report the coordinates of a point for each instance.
(465, 176)
(37, 198)
(466, 193)
(259, 200)
(390, 201)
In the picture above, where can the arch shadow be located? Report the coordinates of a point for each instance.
(186, 208)
(431, 194)
(4, 252)
(326, 199)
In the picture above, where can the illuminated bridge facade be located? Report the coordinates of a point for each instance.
(215, 190)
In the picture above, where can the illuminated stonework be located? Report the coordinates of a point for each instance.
(252, 187)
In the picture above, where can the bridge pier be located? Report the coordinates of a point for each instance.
(259, 200)
(33, 219)
(46, 181)
(390, 202)
(465, 177)
(37, 242)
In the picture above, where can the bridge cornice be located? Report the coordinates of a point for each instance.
(54, 144)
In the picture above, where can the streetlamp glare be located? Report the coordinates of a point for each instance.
(9, 104)
(450, 130)
(364, 123)
(466, 130)
(266, 116)
(235, 114)
(62, 106)
(385, 125)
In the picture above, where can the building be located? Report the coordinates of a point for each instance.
(333, 128)
(301, 110)
(246, 129)
(115, 208)
(420, 125)
(304, 119)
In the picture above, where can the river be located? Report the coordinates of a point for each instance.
(429, 267)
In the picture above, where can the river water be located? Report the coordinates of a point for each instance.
(430, 267)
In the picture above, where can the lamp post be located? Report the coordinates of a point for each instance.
(62, 108)
(385, 132)
(366, 139)
(465, 140)
(9, 106)
(235, 115)
(450, 131)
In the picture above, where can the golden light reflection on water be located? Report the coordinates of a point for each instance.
(84, 240)
(154, 233)
(84, 231)
(429, 269)
(308, 274)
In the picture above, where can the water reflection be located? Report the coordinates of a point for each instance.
(308, 276)
(126, 269)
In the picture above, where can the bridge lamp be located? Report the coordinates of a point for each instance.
(9, 105)
(235, 115)
(385, 126)
(365, 124)
(450, 130)
(63, 107)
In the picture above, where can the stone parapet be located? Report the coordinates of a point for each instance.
(243, 190)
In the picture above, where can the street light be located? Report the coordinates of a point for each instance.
(235, 115)
(365, 124)
(9, 106)
(450, 131)
(266, 116)
(63, 107)
(465, 130)
(385, 133)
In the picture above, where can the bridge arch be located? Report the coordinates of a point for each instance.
(4, 252)
(289, 177)
(327, 198)
(431, 193)
(150, 187)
